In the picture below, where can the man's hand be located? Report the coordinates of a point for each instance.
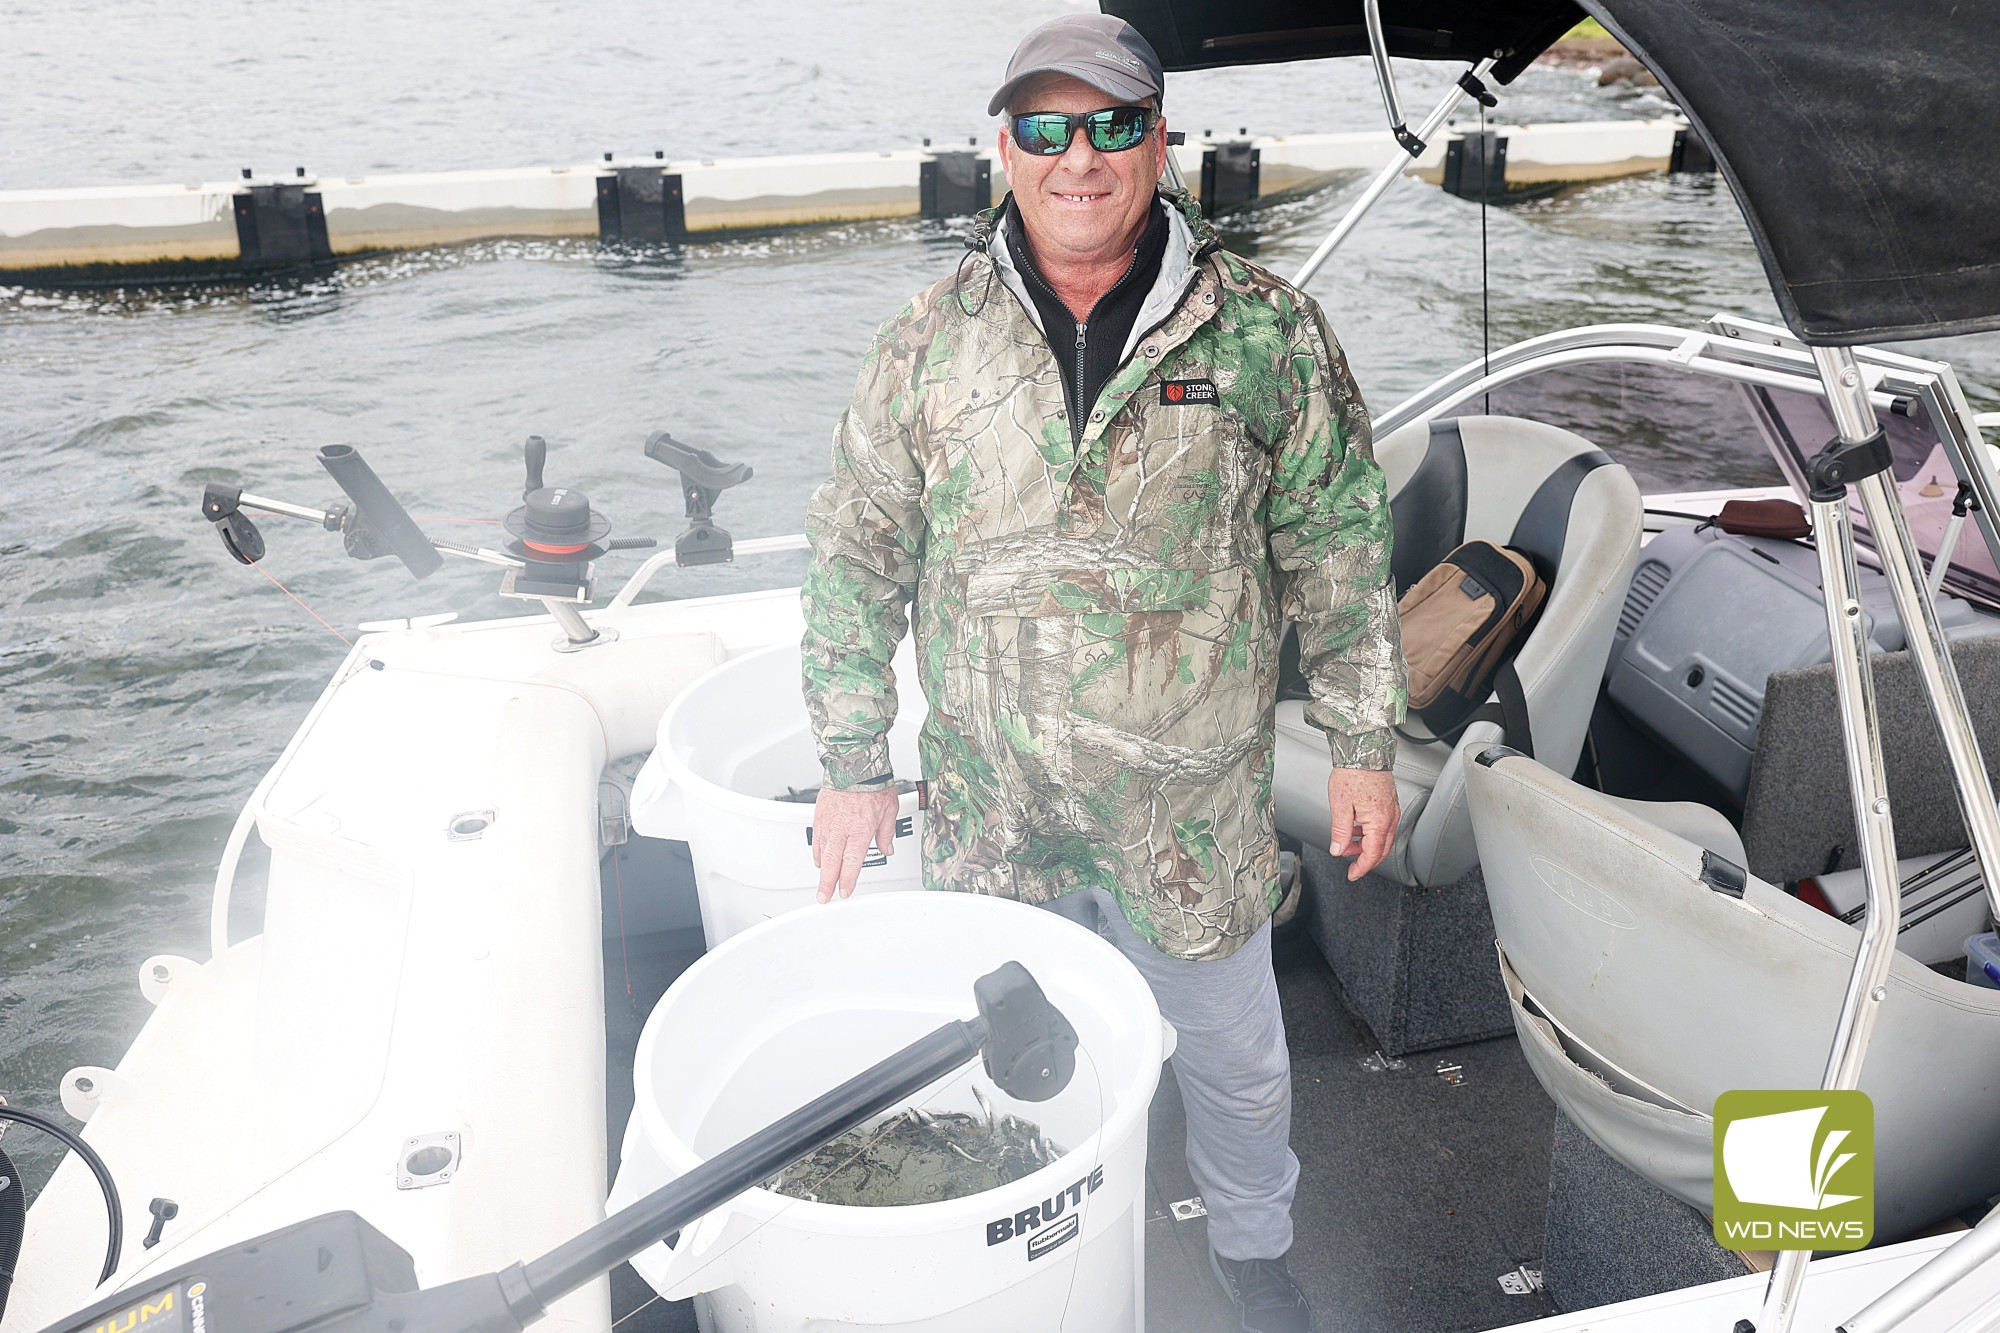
(1363, 802)
(844, 823)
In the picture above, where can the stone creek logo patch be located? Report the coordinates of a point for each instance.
(1794, 1170)
(1179, 393)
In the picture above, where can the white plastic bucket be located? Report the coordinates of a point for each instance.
(735, 739)
(793, 1007)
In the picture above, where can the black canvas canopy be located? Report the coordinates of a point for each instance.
(1861, 137)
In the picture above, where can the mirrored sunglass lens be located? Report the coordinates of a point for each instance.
(1119, 128)
(1043, 134)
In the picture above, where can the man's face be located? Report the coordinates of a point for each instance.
(1081, 204)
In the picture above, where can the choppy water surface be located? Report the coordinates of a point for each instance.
(147, 681)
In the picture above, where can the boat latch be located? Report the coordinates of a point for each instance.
(1723, 875)
(427, 1159)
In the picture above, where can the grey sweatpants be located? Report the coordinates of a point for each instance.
(1235, 1077)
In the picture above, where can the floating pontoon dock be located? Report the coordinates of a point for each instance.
(257, 224)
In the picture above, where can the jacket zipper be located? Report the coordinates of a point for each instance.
(1076, 423)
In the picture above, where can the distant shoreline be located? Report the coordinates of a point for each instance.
(1589, 46)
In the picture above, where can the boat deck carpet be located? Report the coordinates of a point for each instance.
(1416, 1194)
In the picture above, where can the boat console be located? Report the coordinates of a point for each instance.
(1710, 615)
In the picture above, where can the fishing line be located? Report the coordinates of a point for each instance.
(308, 610)
(657, 1298)
(1485, 289)
(1097, 1162)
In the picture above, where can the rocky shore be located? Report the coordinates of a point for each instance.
(1585, 50)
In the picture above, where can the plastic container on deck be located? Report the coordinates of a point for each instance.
(734, 741)
(797, 1005)
(1982, 960)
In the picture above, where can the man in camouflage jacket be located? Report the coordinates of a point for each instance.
(1100, 579)
(1097, 621)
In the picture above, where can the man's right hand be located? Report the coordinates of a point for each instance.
(844, 823)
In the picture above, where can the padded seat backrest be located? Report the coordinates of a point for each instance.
(1670, 970)
(1578, 515)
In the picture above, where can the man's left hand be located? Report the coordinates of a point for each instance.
(1362, 801)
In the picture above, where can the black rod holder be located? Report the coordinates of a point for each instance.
(380, 525)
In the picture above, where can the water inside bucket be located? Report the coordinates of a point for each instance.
(917, 1157)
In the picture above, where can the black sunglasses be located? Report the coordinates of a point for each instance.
(1112, 130)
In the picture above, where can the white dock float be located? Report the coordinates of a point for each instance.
(254, 225)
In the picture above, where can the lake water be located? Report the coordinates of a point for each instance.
(148, 681)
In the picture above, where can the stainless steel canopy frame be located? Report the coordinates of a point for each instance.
(1411, 145)
(1389, 172)
(1854, 382)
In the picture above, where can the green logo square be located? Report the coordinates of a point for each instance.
(1794, 1170)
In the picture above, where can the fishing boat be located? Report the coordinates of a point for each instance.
(1739, 761)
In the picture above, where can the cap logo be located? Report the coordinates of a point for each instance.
(1124, 60)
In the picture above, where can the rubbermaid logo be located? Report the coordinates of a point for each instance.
(1042, 1242)
(1584, 896)
(1794, 1170)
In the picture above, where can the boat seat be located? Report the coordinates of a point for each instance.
(1578, 515)
(1408, 940)
(1647, 974)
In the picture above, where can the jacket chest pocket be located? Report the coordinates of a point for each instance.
(1177, 656)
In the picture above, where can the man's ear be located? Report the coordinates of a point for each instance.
(1005, 145)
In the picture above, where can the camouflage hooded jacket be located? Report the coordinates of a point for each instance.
(1097, 622)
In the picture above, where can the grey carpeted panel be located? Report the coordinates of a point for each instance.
(1414, 1195)
(1797, 813)
(1417, 963)
(637, 972)
(1615, 1236)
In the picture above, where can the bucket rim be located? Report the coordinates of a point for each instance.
(762, 1205)
(714, 793)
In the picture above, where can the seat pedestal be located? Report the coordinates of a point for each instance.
(1416, 963)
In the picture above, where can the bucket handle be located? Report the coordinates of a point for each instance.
(698, 1262)
(659, 804)
(1170, 1041)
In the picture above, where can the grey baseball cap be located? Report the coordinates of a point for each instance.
(1104, 51)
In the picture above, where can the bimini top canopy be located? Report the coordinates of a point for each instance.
(1204, 34)
(1859, 136)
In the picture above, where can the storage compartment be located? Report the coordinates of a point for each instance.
(1982, 960)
